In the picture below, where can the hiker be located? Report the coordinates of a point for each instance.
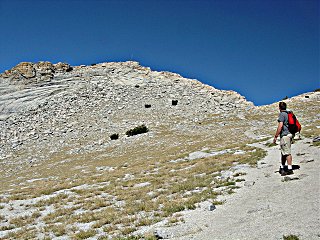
(285, 140)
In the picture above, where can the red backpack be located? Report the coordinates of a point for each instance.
(293, 124)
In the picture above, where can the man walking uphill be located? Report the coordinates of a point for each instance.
(285, 140)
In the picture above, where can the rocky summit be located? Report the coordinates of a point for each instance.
(74, 164)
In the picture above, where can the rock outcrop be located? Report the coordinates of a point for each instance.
(27, 72)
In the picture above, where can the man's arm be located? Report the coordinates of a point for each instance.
(280, 125)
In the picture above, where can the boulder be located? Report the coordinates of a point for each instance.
(22, 71)
(316, 139)
(25, 69)
(62, 67)
(44, 70)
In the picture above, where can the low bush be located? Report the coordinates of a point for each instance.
(290, 237)
(114, 136)
(137, 130)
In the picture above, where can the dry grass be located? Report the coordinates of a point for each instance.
(84, 234)
(22, 221)
(23, 233)
(174, 179)
(57, 229)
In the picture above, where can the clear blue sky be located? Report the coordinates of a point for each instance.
(263, 49)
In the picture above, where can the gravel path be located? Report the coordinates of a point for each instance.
(266, 207)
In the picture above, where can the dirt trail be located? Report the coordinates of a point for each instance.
(266, 207)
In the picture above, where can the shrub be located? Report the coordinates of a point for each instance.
(290, 237)
(114, 136)
(137, 130)
(174, 102)
(317, 90)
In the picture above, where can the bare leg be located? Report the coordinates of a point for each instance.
(289, 159)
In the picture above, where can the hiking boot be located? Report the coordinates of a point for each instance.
(289, 172)
(282, 172)
(285, 173)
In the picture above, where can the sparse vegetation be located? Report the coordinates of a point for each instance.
(137, 130)
(84, 234)
(23, 233)
(114, 136)
(8, 227)
(316, 144)
(57, 229)
(21, 221)
(290, 237)
(270, 144)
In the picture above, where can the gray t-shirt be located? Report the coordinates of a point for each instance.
(283, 117)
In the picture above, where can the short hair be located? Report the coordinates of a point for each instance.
(282, 105)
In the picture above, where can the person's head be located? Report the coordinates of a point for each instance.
(282, 106)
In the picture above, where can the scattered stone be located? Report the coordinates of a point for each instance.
(240, 168)
(105, 168)
(140, 185)
(225, 175)
(161, 234)
(260, 166)
(307, 161)
(200, 175)
(249, 183)
(212, 207)
(316, 139)
(239, 152)
(287, 178)
(120, 204)
(300, 154)
(303, 175)
(259, 209)
(128, 177)
(198, 155)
